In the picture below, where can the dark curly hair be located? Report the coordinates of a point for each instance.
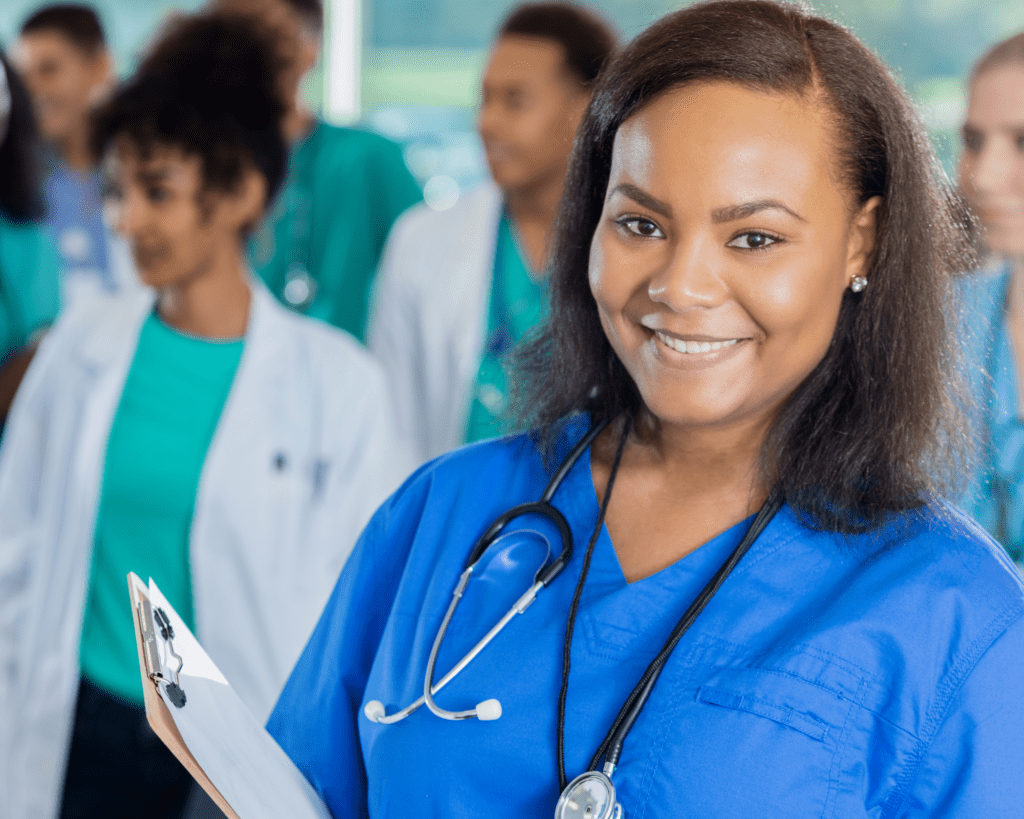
(210, 87)
(20, 191)
(879, 425)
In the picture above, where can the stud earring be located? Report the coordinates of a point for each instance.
(858, 283)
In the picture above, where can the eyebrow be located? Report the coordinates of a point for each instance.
(730, 213)
(733, 213)
(642, 198)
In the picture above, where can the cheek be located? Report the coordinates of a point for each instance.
(800, 306)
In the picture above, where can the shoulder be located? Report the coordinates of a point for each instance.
(446, 231)
(104, 322)
(329, 350)
(355, 144)
(473, 481)
(941, 557)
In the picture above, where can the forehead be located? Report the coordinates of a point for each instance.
(729, 142)
(128, 160)
(997, 97)
(47, 43)
(522, 60)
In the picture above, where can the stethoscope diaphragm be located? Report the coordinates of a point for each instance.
(590, 795)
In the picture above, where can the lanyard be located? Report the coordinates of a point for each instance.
(611, 746)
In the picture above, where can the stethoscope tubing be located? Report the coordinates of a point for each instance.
(544, 577)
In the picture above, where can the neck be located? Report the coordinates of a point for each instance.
(297, 123)
(537, 204)
(716, 466)
(532, 211)
(213, 302)
(74, 150)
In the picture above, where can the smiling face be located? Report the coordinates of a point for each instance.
(992, 160)
(723, 250)
(64, 81)
(177, 231)
(530, 110)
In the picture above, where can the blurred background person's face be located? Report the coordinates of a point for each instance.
(992, 160)
(530, 110)
(64, 80)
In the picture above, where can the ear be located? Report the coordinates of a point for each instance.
(242, 209)
(860, 244)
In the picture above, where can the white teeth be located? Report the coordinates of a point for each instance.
(695, 346)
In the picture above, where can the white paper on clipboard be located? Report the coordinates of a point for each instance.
(249, 769)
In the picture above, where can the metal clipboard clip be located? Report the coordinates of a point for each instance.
(151, 650)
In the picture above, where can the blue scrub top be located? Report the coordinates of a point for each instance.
(75, 221)
(873, 675)
(996, 497)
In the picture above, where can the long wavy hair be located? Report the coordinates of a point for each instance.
(879, 425)
(21, 197)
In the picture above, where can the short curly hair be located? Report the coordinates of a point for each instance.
(210, 87)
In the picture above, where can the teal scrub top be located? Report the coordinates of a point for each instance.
(29, 282)
(172, 401)
(318, 250)
(516, 307)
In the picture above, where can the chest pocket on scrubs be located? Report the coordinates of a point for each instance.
(772, 739)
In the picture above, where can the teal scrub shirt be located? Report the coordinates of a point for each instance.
(172, 401)
(516, 307)
(29, 283)
(319, 248)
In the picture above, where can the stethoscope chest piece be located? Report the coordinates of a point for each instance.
(589, 796)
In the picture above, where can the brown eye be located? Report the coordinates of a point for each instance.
(639, 226)
(752, 240)
(971, 140)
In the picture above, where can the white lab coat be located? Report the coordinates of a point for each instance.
(267, 544)
(429, 317)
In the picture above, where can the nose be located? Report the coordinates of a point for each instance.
(128, 214)
(990, 168)
(486, 119)
(692, 276)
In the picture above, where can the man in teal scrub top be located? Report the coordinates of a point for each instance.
(319, 247)
(459, 288)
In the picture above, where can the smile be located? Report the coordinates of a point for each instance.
(682, 346)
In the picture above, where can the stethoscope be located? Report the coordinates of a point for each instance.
(591, 795)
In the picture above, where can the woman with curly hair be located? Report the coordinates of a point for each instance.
(197, 433)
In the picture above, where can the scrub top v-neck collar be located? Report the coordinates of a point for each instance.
(614, 613)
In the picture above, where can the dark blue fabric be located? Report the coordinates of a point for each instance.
(876, 675)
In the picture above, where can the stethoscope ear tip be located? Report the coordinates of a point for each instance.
(488, 710)
(374, 710)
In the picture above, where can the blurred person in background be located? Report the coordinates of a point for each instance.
(62, 55)
(195, 432)
(992, 179)
(319, 248)
(459, 288)
(29, 288)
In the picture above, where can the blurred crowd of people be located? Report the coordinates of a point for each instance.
(230, 329)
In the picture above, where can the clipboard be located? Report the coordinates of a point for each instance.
(157, 712)
(205, 723)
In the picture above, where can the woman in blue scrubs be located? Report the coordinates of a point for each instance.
(992, 178)
(751, 286)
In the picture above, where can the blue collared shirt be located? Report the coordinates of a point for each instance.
(872, 675)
